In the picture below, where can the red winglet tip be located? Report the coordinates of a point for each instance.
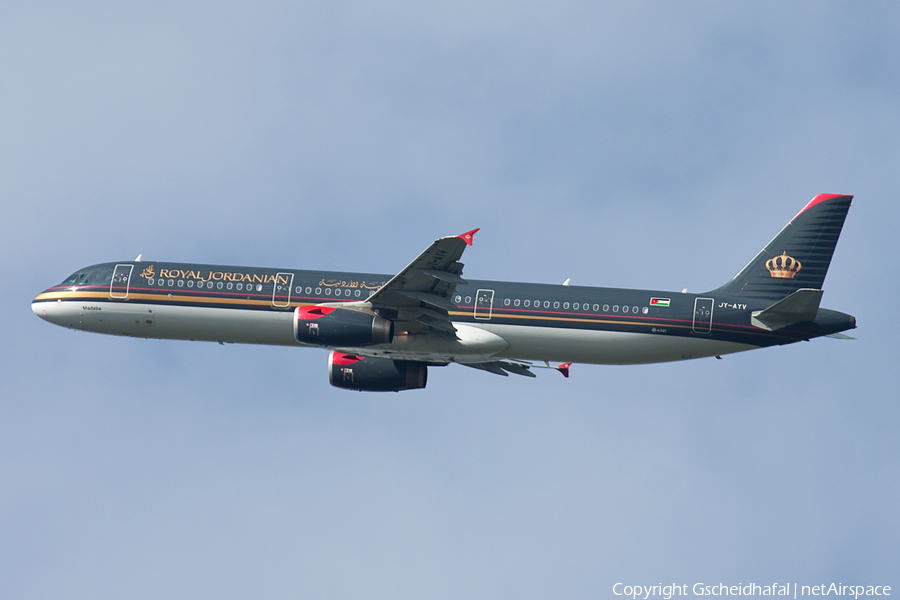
(818, 199)
(467, 236)
(564, 369)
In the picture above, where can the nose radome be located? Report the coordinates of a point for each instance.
(40, 309)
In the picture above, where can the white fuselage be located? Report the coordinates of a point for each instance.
(476, 342)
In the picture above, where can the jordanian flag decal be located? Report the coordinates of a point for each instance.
(659, 301)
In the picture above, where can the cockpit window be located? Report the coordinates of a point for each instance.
(79, 278)
(94, 276)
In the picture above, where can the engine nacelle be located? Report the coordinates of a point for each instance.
(351, 372)
(330, 326)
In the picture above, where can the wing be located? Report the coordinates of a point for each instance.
(418, 297)
(502, 367)
(519, 367)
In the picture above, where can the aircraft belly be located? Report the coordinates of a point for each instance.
(225, 324)
(476, 342)
(605, 347)
(172, 322)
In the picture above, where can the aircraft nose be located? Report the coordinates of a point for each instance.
(40, 309)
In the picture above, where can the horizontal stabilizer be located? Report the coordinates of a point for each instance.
(800, 306)
(841, 336)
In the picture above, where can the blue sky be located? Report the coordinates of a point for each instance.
(637, 144)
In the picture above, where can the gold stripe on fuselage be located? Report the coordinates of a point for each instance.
(163, 297)
(175, 298)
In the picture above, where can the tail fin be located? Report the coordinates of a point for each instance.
(798, 257)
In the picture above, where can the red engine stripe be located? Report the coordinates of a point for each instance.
(344, 359)
(307, 313)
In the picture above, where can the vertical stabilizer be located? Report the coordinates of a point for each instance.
(798, 257)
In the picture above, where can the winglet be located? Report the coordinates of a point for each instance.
(467, 236)
(564, 369)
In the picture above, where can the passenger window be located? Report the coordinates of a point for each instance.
(171, 282)
(556, 305)
(191, 283)
(645, 310)
(576, 306)
(566, 305)
(357, 293)
(546, 304)
(181, 283)
(258, 287)
(615, 308)
(606, 308)
(506, 302)
(527, 303)
(149, 282)
(318, 291)
(516, 303)
(337, 291)
(596, 307)
(327, 291)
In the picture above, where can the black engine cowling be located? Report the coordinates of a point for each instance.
(330, 326)
(351, 372)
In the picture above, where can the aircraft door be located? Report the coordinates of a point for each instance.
(121, 281)
(484, 304)
(703, 314)
(281, 295)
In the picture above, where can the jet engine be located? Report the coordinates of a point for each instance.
(351, 372)
(330, 326)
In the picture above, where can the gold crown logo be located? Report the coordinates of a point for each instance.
(783, 267)
(148, 272)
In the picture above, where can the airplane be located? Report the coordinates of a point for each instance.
(385, 331)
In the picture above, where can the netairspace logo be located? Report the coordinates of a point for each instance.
(667, 592)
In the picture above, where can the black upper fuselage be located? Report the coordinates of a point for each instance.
(496, 302)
